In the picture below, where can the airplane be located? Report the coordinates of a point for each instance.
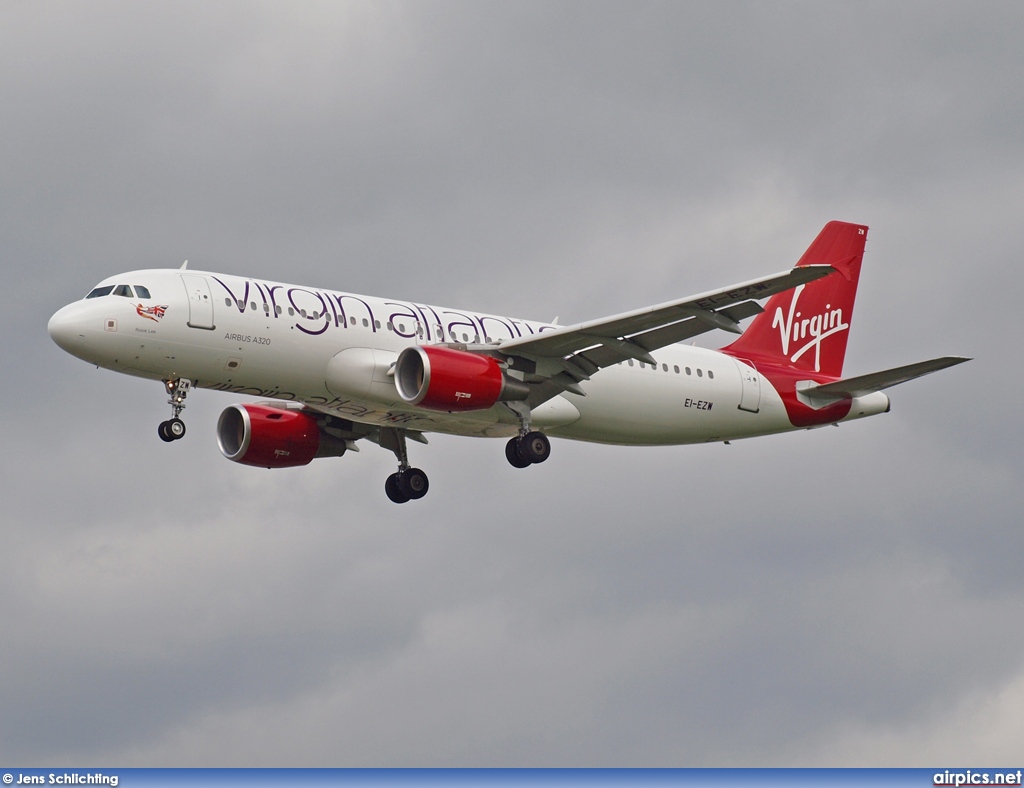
(337, 368)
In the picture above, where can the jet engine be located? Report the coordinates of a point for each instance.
(270, 437)
(441, 378)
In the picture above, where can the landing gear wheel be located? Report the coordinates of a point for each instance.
(394, 489)
(535, 447)
(413, 483)
(408, 484)
(514, 456)
(175, 428)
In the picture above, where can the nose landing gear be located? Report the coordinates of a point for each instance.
(171, 430)
(174, 428)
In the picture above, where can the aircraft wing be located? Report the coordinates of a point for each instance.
(349, 432)
(560, 359)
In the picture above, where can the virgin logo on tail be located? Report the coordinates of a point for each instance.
(795, 328)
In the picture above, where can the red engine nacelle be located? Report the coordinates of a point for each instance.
(270, 437)
(440, 378)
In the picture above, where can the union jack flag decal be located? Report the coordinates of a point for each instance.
(151, 312)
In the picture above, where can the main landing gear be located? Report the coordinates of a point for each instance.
(174, 428)
(406, 484)
(529, 447)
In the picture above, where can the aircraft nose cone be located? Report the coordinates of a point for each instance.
(63, 329)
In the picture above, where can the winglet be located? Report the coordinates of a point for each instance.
(184, 265)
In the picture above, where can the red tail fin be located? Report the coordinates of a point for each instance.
(806, 328)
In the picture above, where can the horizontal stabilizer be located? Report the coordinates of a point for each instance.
(876, 381)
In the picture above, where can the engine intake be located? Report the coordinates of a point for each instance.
(441, 378)
(270, 437)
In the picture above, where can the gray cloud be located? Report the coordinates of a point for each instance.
(820, 597)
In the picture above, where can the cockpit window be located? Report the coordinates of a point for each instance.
(119, 290)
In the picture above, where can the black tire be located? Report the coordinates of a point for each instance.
(176, 429)
(535, 447)
(163, 432)
(394, 490)
(413, 483)
(514, 456)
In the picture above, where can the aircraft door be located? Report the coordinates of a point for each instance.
(200, 302)
(750, 387)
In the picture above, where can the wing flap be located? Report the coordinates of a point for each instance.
(685, 329)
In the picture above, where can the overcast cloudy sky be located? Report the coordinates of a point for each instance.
(849, 596)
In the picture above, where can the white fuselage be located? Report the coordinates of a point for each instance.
(333, 350)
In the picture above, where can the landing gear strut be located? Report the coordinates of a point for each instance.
(529, 446)
(406, 484)
(174, 428)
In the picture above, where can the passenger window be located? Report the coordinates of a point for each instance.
(664, 367)
(101, 291)
(676, 368)
(700, 374)
(277, 309)
(711, 374)
(376, 323)
(688, 371)
(291, 312)
(227, 302)
(629, 361)
(252, 306)
(142, 292)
